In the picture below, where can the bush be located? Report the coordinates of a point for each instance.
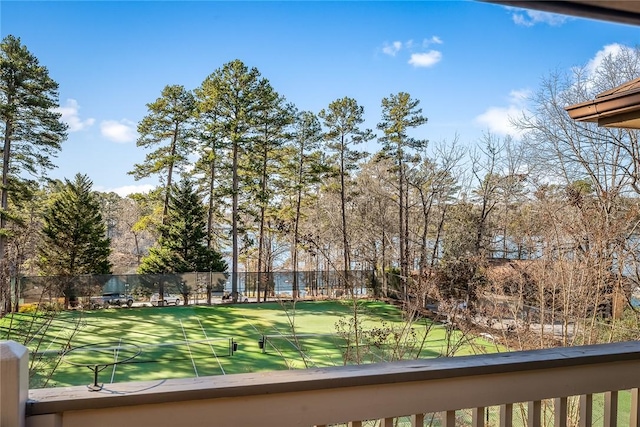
(28, 308)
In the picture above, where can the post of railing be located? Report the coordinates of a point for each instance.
(635, 404)
(14, 383)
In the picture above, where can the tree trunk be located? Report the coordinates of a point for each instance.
(401, 253)
(434, 254)
(212, 179)
(343, 200)
(167, 193)
(234, 220)
(4, 203)
(263, 203)
(296, 227)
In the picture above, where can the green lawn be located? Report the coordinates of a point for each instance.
(192, 341)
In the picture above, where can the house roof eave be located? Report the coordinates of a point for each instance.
(610, 108)
(624, 12)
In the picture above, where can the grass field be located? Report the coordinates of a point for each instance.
(195, 341)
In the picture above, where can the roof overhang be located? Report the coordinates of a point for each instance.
(618, 107)
(625, 12)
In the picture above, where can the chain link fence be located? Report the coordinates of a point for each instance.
(96, 291)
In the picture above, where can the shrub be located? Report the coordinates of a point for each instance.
(28, 308)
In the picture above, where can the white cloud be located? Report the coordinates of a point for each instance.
(127, 189)
(122, 131)
(432, 40)
(530, 18)
(519, 96)
(427, 59)
(498, 119)
(392, 49)
(70, 116)
(609, 50)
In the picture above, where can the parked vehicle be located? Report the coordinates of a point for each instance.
(114, 299)
(228, 297)
(168, 299)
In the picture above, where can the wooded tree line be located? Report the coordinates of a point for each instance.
(286, 189)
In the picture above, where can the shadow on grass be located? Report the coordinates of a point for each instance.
(162, 331)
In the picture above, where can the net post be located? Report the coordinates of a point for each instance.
(97, 366)
(261, 343)
(95, 386)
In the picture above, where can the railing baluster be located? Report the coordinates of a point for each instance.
(586, 410)
(417, 420)
(506, 415)
(634, 420)
(611, 409)
(449, 419)
(560, 412)
(478, 417)
(533, 414)
(386, 422)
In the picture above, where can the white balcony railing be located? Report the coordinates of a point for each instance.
(542, 382)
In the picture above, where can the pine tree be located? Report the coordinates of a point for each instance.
(231, 96)
(74, 232)
(303, 170)
(272, 121)
(169, 122)
(182, 246)
(74, 238)
(208, 170)
(30, 128)
(399, 114)
(342, 119)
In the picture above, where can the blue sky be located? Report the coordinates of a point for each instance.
(470, 64)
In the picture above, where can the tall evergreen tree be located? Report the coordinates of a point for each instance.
(74, 232)
(30, 127)
(399, 114)
(303, 170)
(265, 161)
(209, 166)
(232, 92)
(342, 120)
(182, 246)
(74, 237)
(169, 122)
